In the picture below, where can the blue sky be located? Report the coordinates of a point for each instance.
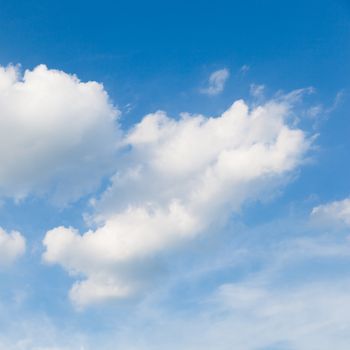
(174, 175)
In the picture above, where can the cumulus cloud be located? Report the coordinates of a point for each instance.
(12, 246)
(337, 212)
(178, 178)
(58, 134)
(216, 82)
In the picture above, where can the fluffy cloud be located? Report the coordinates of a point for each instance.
(217, 82)
(178, 179)
(12, 246)
(58, 134)
(337, 212)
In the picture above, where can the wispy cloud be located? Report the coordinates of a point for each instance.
(244, 69)
(216, 82)
(256, 90)
(334, 212)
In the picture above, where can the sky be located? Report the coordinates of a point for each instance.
(174, 175)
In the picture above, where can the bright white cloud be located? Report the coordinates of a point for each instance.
(12, 246)
(337, 211)
(57, 133)
(216, 82)
(178, 179)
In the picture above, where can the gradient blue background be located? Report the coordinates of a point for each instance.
(157, 55)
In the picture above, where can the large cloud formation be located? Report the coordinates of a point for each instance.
(177, 179)
(57, 133)
(12, 246)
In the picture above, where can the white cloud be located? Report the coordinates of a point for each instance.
(57, 133)
(217, 82)
(178, 179)
(337, 212)
(12, 246)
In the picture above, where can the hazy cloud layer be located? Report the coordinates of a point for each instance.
(272, 307)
